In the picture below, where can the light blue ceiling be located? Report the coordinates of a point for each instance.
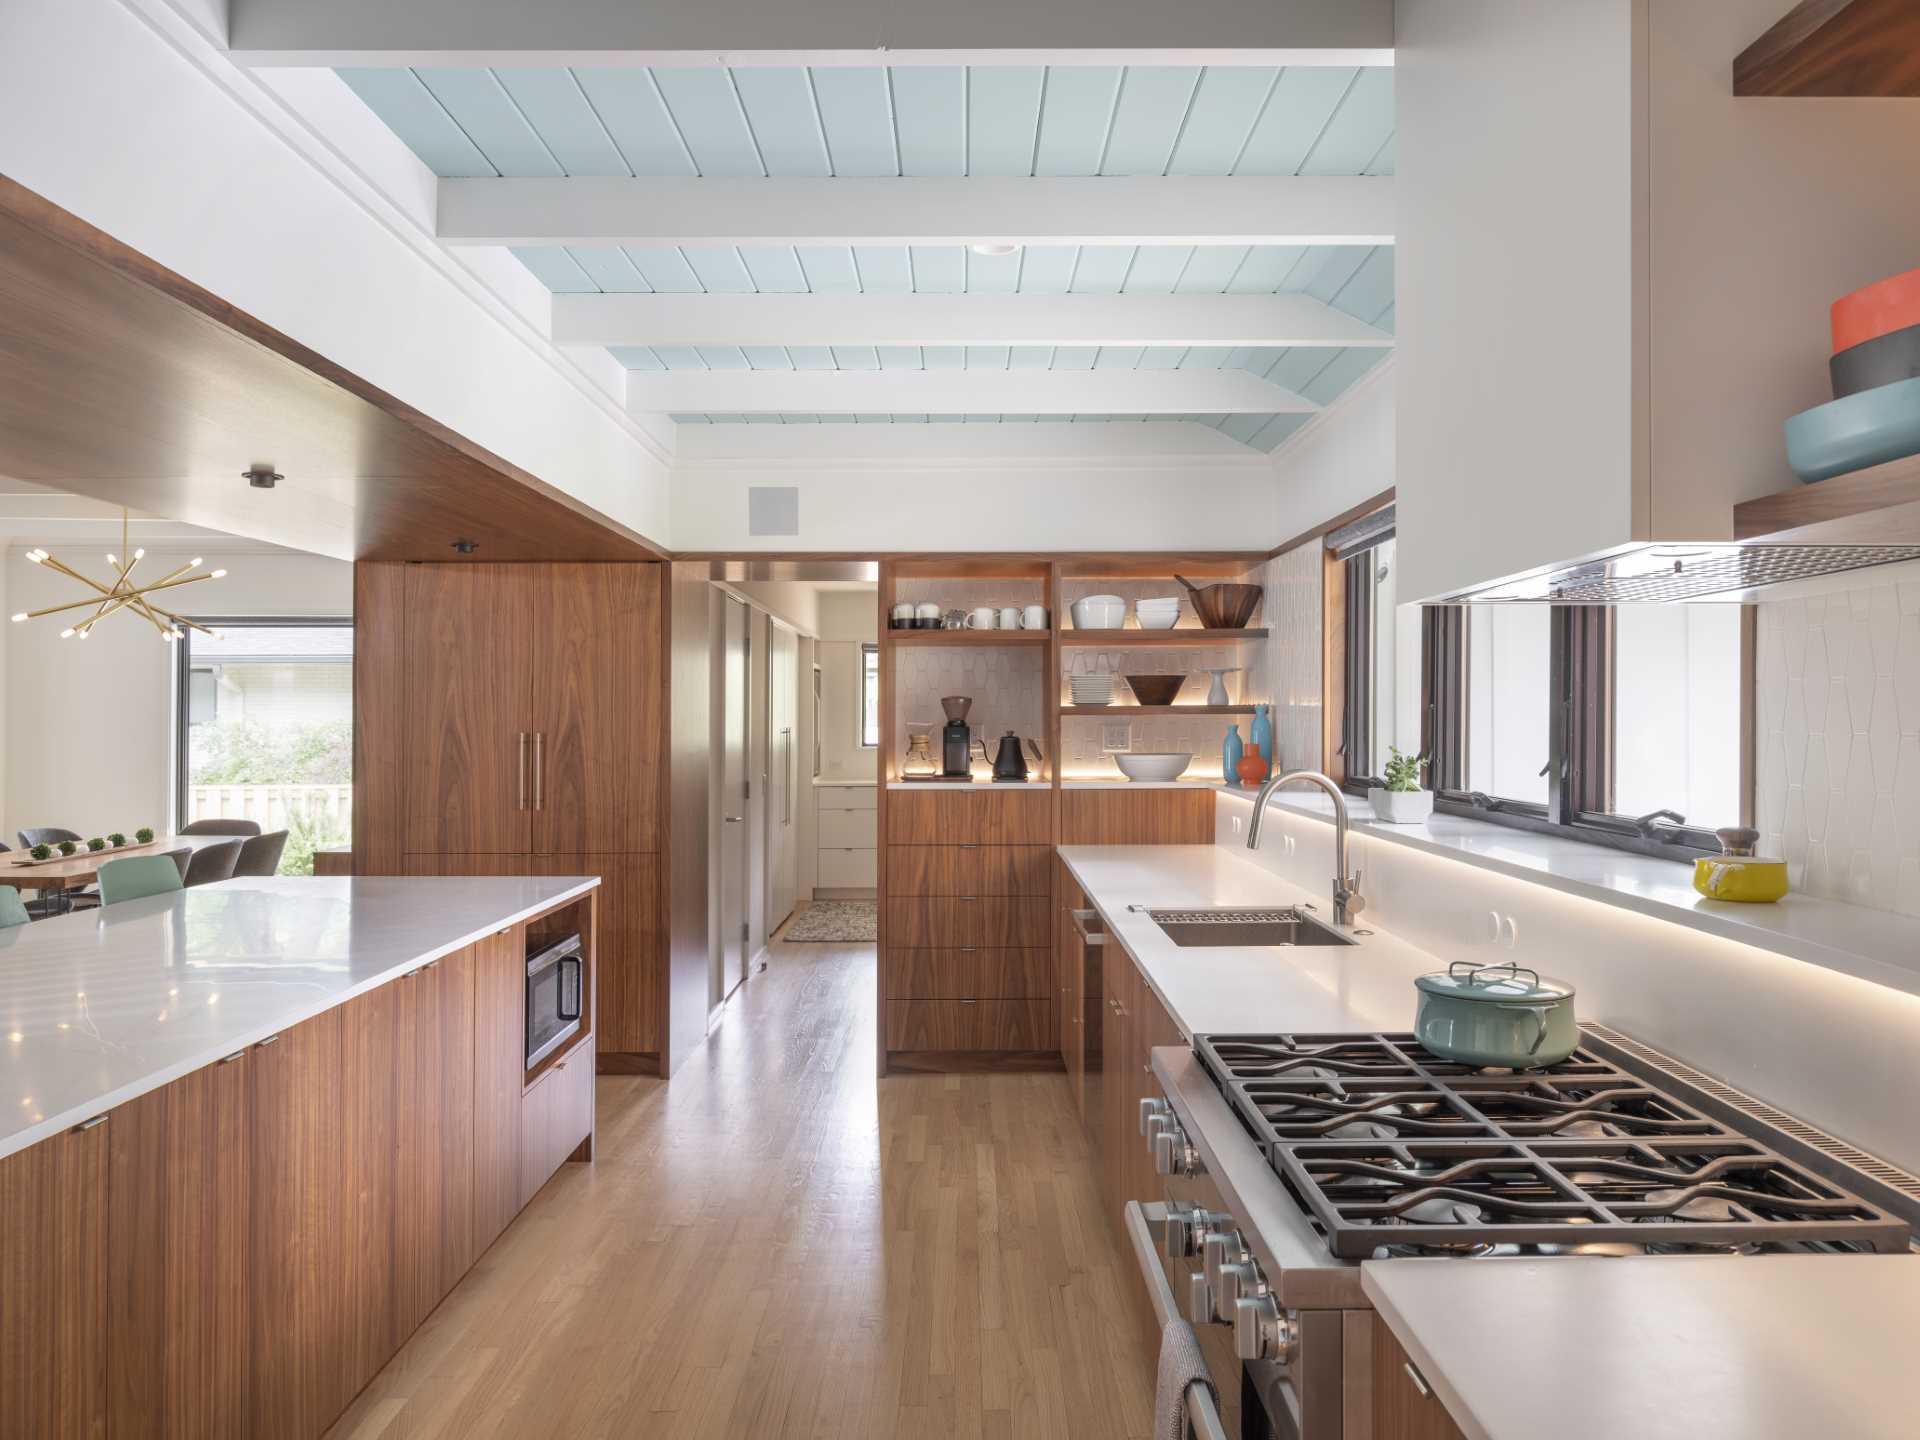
(1261, 432)
(912, 120)
(938, 121)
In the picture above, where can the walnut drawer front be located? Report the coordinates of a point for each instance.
(970, 1025)
(969, 974)
(941, 922)
(969, 870)
(1004, 816)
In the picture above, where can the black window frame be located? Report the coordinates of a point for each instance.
(1352, 547)
(1580, 730)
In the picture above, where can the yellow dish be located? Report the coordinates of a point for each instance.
(1740, 877)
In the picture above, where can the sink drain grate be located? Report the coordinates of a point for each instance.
(1225, 917)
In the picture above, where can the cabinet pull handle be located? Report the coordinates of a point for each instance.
(262, 1044)
(969, 846)
(229, 1059)
(99, 1119)
(1414, 1375)
(539, 766)
(521, 801)
(969, 1002)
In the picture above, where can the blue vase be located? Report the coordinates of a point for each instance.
(1262, 737)
(1230, 753)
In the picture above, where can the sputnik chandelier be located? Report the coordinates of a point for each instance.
(122, 593)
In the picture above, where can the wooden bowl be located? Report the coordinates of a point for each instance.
(1155, 689)
(1226, 607)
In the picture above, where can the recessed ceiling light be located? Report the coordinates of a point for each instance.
(995, 249)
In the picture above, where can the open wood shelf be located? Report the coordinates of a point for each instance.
(1835, 47)
(1877, 506)
(1139, 639)
(1114, 712)
(969, 637)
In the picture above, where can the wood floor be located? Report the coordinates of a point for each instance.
(780, 1244)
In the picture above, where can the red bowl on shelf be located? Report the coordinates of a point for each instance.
(1874, 310)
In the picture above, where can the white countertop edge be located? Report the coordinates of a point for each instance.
(1873, 945)
(1423, 1361)
(165, 1075)
(1120, 782)
(963, 786)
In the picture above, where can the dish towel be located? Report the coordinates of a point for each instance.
(1182, 1365)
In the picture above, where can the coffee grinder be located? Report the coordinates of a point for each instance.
(956, 738)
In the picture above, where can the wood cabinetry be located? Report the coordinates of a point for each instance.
(510, 719)
(1077, 979)
(556, 1115)
(53, 1297)
(434, 1136)
(1135, 1023)
(499, 1051)
(969, 869)
(1404, 1405)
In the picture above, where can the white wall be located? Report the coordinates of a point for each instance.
(139, 125)
(1342, 457)
(89, 725)
(793, 601)
(867, 488)
(847, 620)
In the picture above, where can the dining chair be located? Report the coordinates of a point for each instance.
(220, 827)
(46, 835)
(13, 910)
(260, 855)
(136, 876)
(212, 863)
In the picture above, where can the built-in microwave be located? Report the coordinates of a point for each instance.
(554, 978)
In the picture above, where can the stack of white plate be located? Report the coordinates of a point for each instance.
(1090, 689)
(1158, 614)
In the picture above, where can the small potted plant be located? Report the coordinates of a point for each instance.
(116, 839)
(41, 852)
(144, 835)
(97, 844)
(1402, 802)
(69, 847)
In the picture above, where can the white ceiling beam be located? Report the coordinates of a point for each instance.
(861, 32)
(959, 392)
(1100, 210)
(1231, 320)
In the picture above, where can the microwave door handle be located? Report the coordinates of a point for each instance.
(563, 1012)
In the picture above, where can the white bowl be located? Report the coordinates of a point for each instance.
(1165, 765)
(1158, 619)
(1099, 612)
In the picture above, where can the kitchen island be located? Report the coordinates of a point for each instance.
(254, 1132)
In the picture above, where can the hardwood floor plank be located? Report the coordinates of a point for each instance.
(786, 1246)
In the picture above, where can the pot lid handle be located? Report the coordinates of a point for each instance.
(1506, 970)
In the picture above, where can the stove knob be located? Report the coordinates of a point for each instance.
(1172, 1155)
(1199, 1299)
(1219, 1248)
(1151, 1106)
(1177, 1242)
(1235, 1282)
(1261, 1332)
(1154, 1126)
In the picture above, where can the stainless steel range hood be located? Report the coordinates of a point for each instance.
(1669, 572)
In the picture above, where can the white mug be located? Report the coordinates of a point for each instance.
(981, 619)
(1034, 617)
(903, 611)
(926, 610)
(1009, 617)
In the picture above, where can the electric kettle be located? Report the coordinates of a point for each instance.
(1010, 761)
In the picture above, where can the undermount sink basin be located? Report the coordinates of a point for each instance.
(1191, 929)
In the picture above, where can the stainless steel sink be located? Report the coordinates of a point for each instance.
(1190, 929)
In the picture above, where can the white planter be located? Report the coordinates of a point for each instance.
(1400, 807)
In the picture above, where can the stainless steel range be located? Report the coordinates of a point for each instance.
(1290, 1158)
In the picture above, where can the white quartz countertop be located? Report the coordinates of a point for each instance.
(1368, 986)
(101, 1006)
(1775, 1347)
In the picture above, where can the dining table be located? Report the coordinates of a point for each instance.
(82, 868)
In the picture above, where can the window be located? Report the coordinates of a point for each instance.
(1588, 720)
(870, 696)
(1369, 715)
(266, 730)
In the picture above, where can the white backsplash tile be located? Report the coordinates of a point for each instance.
(1007, 686)
(1837, 775)
(1292, 656)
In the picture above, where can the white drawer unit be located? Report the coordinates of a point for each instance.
(845, 797)
(848, 830)
(849, 869)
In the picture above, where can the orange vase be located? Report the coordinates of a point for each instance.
(1253, 767)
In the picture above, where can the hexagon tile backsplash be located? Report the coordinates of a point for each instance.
(1837, 779)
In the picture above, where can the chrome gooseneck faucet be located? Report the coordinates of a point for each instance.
(1347, 899)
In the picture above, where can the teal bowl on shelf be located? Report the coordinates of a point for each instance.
(1856, 432)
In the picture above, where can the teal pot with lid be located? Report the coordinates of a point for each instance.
(1503, 1016)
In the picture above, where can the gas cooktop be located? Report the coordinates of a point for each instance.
(1392, 1149)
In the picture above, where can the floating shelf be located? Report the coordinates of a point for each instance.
(1877, 506)
(1114, 712)
(1139, 639)
(968, 637)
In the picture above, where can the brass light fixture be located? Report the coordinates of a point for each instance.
(122, 593)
